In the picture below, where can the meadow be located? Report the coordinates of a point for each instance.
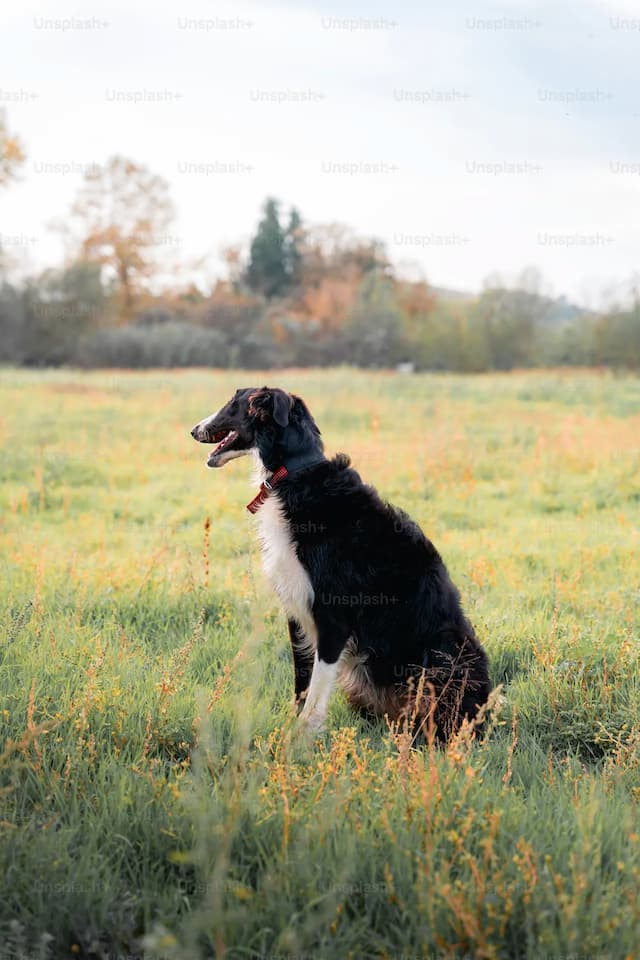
(156, 799)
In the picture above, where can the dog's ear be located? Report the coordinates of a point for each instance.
(268, 404)
(299, 409)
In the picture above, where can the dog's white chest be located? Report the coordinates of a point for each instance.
(281, 565)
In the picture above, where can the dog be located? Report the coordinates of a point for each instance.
(369, 602)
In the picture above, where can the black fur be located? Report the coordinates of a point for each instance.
(379, 584)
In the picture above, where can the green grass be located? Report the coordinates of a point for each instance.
(155, 798)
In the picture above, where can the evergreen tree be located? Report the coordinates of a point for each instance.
(267, 270)
(293, 243)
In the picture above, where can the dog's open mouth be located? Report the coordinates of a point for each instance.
(225, 440)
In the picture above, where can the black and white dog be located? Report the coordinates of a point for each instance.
(369, 601)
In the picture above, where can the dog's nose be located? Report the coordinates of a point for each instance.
(194, 432)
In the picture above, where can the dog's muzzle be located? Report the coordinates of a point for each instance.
(201, 434)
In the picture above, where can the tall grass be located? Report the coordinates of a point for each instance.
(156, 797)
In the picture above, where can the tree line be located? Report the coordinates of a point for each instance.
(300, 294)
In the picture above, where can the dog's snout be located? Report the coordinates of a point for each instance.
(195, 433)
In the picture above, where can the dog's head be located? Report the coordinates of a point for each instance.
(271, 421)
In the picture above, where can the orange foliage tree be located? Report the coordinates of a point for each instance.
(332, 265)
(11, 152)
(121, 215)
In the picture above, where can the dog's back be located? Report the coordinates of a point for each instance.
(386, 592)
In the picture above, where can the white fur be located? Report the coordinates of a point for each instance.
(281, 565)
(293, 586)
(204, 424)
(323, 681)
(223, 458)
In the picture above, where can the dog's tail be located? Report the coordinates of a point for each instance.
(342, 461)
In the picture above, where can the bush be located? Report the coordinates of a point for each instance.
(153, 317)
(11, 325)
(41, 322)
(158, 345)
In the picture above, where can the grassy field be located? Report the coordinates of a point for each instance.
(154, 798)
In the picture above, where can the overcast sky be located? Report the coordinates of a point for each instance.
(472, 138)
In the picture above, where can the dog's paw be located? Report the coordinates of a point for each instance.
(311, 722)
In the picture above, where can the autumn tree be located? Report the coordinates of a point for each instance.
(11, 153)
(11, 158)
(232, 256)
(120, 217)
(333, 249)
(332, 265)
(416, 300)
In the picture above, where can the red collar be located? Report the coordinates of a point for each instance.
(266, 488)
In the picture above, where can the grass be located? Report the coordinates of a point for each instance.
(154, 798)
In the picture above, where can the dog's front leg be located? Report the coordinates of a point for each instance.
(302, 661)
(323, 681)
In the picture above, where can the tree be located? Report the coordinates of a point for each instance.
(509, 320)
(416, 301)
(235, 315)
(267, 269)
(332, 264)
(122, 212)
(60, 306)
(12, 323)
(616, 338)
(276, 253)
(293, 244)
(232, 256)
(11, 153)
(333, 250)
(374, 329)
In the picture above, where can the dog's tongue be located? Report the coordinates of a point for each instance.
(227, 437)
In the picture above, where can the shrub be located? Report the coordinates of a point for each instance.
(159, 345)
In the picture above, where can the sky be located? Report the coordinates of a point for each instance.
(474, 139)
